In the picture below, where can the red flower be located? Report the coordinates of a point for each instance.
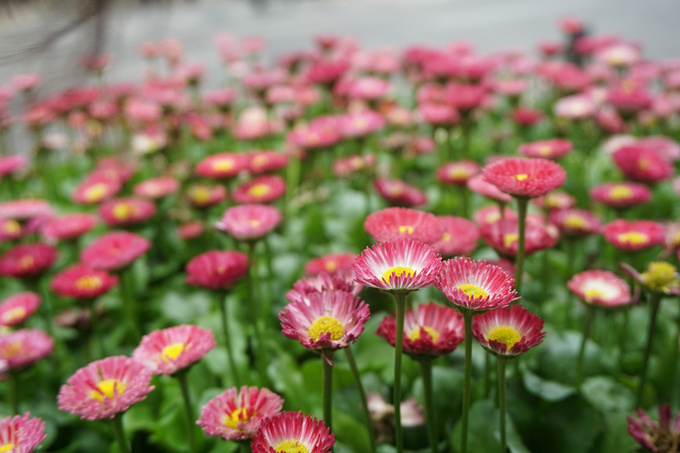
(457, 173)
(431, 330)
(634, 234)
(658, 436)
(249, 221)
(398, 193)
(331, 263)
(156, 187)
(114, 250)
(24, 209)
(601, 288)
(643, 164)
(126, 211)
(555, 200)
(68, 226)
(459, 236)
(575, 222)
(483, 187)
(510, 331)
(263, 189)
(82, 282)
(292, 432)
(503, 236)
(96, 188)
(216, 269)
(27, 260)
(547, 149)
(203, 195)
(224, 165)
(266, 161)
(526, 178)
(24, 346)
(18, 308)
(391, 224)
(621, 194)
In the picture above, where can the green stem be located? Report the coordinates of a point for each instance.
(244, 446)
(253, 284)
(227, 342)
(487, 374)
(14, 390)
(327, 377)
(362, 395)
(292, 183)
(464, 201)
(95, 330)
(467, 319)
(129, 305)
(400, 301)
(622, 339)
(184, 386)
(654, 304)
(519, 262)
(582, 349)
(426, 371)
(501, 400)
(123, 445)
(268, 256)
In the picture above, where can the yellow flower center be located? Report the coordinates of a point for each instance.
(223, 165)
(510, 239)
(661, 276)
(11, 227)
(633, 238)
(545, 150)
(576, 222)
(26, 262)
(397, 271)
(458, 173)
(89, 282)
(507, 335)
(13, 314)
(12, 349)
(290, 446)
(472, 291)
(408, 229)
(200, 195)
(122, 211)
(415, 333)
(237, 416)
(108, 388)
(259, 190)
(331, 266)
(621, 192)
(172, 351)
(446, 237)
(7, 447)
(260, 161)
(324, 325)
(593, 293)
(644, 164)
(254, 223)
(95, 192)
(675, 240)
(521, 177)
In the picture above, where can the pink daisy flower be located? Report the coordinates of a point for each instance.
(555, 200)
(601, 288)
(575, 222)
(481, 186)
(266, 161)
(217, 269)
(391, 224)
(249, 222)
(343, 280)
(12, 164)
(547, 149)
(27, 260)
(69, 226)
(170, 350)
(332, 262)
(643, 164)
(25, 346)
(82, 282)
(325, 320)
(115, 250)
(21, 434)
(156, 188)
(126, 211)
(657, 436)
(190, 230)
(397, 193)
(105, 388)
(620, 195)
(96, 188)
(223, 165)
(526, 178)
(18, 308)
(263, 189)
(292, 432)
(634, 234)
(475, 285)
(509, 331)
(503, 236)
(24, 209)
(492, 214)
(430, 330)
(203, 195)
(459, 236)
(403, 265)
(360, 124)
(10, 229)
(457, 173)
(237, 414)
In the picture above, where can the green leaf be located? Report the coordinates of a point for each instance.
(545, 389)
(607, 395)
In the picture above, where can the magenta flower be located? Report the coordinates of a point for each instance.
(509, 331)
(115, 250)
(293, 432)
(170, 350)
(21, 434)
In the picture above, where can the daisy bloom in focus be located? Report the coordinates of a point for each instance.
(397, 193)
(216, 269)
(325, 320)
(126, 211)
(458, 238)
(547, 149)
(27, 260)
(25, 346)
(525, 178)
(292, 432)
(82, 282)
(21, 433)
(403, 265)
(115, 250)
(475, 286)
(431, 330)
(620, 195)
(105, 388)
(170, 350)
(634, 234)
(391, 224)
(249, 221)
(330, 263)
(68, 226)
(600, 288)
(509, 331)
(18, 308)
(343, 280)
(237, 414)
(658, 436)
(263, 189)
